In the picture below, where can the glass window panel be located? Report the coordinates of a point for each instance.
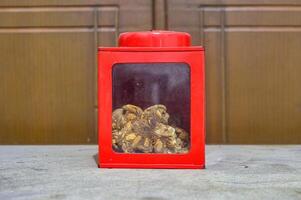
(151, 108)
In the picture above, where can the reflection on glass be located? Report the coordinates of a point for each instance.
(151, 108)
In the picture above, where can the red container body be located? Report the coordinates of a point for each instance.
(152, 48)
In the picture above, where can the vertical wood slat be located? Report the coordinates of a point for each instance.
(223, 74)
(201, 25)
(117, 31)
(212, 86)
(95, 77)
(160, 14)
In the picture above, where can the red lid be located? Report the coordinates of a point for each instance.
(154, 39)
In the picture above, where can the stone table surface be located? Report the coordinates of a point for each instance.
(70, 172)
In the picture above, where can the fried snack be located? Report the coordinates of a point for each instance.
(138, 131)
(156, 114)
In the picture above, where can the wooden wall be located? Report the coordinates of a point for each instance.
(48, 65)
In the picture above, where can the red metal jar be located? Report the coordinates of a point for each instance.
(151, 98)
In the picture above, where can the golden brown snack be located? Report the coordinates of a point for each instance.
(132, 112)
(156, 113)
(138, 131)
(182, 135)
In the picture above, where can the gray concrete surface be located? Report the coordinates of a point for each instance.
(70, 172)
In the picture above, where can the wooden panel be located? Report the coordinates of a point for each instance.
(46, 16)
(48, 65)
(263, 94)
(253, 16)
(45, 88)
(252, 67)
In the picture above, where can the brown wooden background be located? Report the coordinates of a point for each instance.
(48, 65)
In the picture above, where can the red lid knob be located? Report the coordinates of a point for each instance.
(154, 39)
